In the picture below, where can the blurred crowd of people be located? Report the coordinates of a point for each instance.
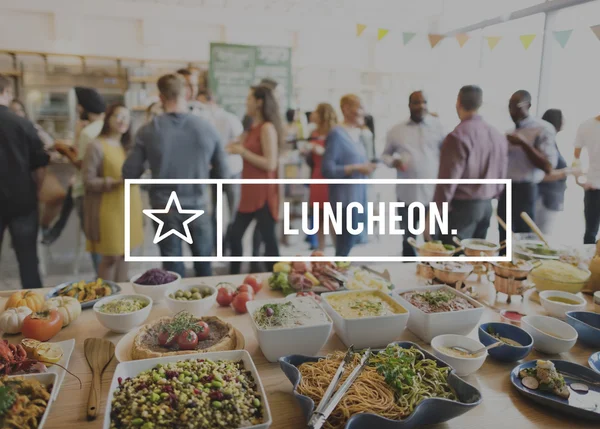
(188, 136)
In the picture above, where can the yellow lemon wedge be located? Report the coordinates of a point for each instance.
(48, 353)
(30, 345)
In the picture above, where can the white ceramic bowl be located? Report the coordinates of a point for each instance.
(279, 342)
(198, 307)
(462, 365)
(429, 325)
(539, 328)
(365, 332)
(134, 368)
(156, 292)
(125, 322)
(558, 309)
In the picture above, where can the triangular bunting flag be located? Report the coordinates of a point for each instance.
(492, 41)
(462, 38)
(526, 40)
(359, 29)
(381, 33)
(407, 37)
(562, 37)
(596, 30)
(434, 39)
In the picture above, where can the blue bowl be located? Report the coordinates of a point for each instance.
(506, 353)
(581, 405)
(587, 325)
(428, 411)
(594, 362)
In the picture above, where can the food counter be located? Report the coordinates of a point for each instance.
(502, 405)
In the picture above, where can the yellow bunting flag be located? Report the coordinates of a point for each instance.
(359, 29)
(462, 38)
(381, 33)
(596, 30)
(526, 40)
(492, 41)
(434, 39)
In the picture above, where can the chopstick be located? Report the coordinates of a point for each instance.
(328, 402)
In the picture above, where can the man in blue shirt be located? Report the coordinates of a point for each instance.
(413, 149)
(532, 154)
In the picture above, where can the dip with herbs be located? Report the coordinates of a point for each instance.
(302, 311)
(364, 304)
(123, 306)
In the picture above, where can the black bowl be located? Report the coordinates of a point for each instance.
(428, 411)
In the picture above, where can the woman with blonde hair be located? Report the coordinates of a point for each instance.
(325, 118)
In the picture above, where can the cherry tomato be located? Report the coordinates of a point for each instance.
(42, 325)
(187, 340)
(245, 288)
(224, 296)
(163, 339)
(203, 330)
(254, 282)
(240, 300)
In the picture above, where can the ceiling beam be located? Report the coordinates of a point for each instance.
(548, 6)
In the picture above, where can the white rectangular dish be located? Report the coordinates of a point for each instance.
(377, 331)
(67, 348)
(279, 342)
(426, 326)
(133, 368)
(48, 378)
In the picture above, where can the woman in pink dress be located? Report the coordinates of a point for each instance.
(325, 119)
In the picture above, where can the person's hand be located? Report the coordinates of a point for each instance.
(366, 168)
(235, 148)
(514, 139)
(583, 182)
(402, 163)
(66, 150)
(576, 171)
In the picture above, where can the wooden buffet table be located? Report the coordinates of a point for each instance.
(502, 406)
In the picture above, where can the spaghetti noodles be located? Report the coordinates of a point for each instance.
(394, 382)
(22, 403)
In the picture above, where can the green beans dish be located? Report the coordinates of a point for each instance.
(190, 394)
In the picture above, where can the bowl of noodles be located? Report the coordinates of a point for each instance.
(26, 399)
(557, 275)
(373, 402)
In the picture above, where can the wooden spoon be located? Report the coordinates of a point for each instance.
(534, 227)
(98, 353)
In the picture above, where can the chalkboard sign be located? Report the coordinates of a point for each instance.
(235, 68)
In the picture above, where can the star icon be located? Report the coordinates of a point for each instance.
(159, 235)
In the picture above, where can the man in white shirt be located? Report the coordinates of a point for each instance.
(413, 149)
(588, 137)
(230, 128)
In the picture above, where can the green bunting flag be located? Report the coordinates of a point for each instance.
(407, 37)
(562, 37)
